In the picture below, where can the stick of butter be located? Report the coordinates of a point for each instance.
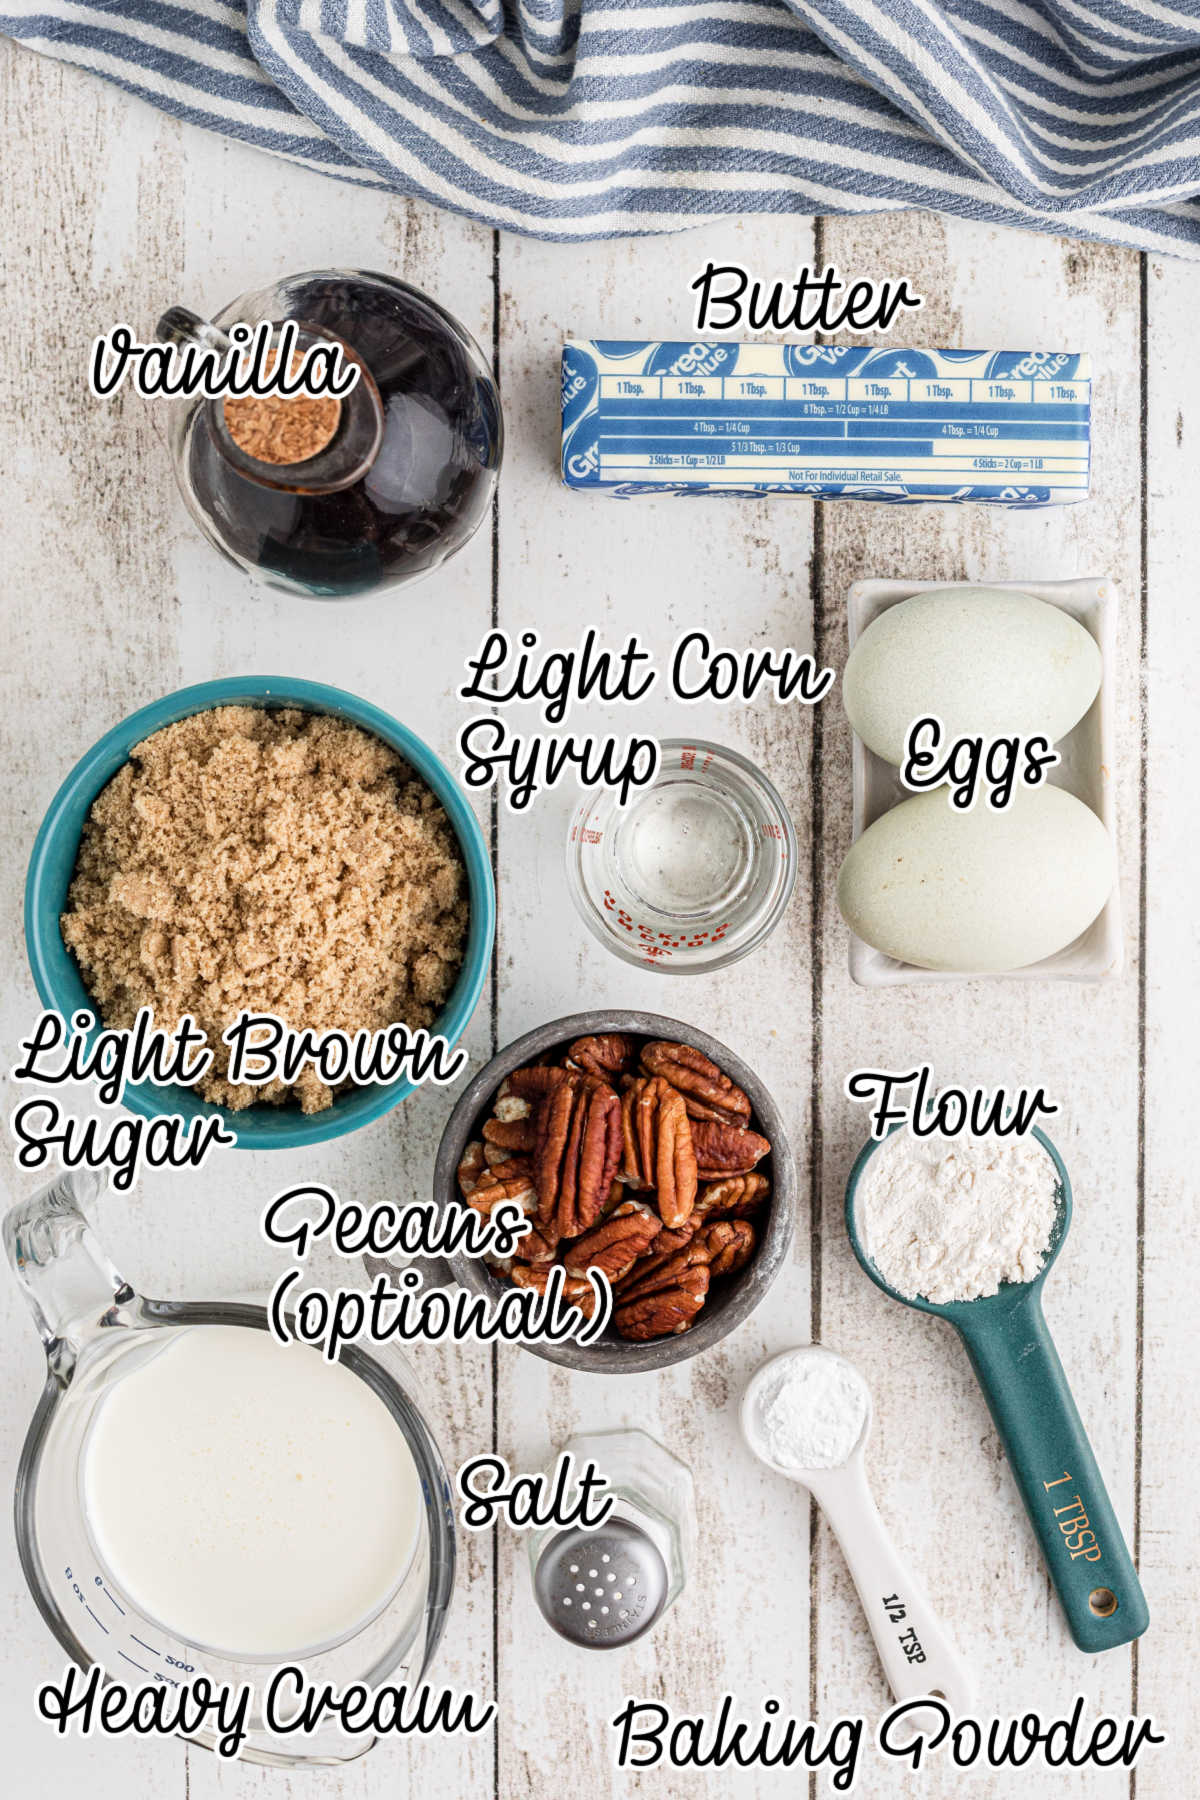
(1008, 427)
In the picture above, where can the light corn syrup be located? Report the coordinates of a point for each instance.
(684, 848)
(248, 1496)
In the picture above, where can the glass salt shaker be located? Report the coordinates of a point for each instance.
(404, 478)
(605, 1587)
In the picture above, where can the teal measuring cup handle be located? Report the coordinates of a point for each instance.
(1086, 1556)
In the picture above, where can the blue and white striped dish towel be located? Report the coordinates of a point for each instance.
(599, 118)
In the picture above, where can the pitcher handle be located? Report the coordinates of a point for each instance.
(64, 1272)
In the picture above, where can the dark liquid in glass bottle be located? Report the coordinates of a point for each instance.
(430, 483)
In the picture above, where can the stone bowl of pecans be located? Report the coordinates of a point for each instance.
(639, 1146)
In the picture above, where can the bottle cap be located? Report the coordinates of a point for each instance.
(602, 1588)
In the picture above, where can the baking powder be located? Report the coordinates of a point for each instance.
(950, 1219)
(810, 1410)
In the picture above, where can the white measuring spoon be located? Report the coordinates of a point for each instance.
(917, 1656)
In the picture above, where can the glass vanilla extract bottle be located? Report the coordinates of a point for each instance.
(336, 497)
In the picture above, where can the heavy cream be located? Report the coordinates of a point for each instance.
(251, 1498)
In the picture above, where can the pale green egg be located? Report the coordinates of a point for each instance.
(987, 662)
(979, 891)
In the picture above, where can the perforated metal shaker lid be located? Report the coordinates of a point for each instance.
(602, 1588)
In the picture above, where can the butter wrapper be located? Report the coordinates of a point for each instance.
(1005, 427)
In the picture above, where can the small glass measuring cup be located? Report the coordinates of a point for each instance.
(1017, 1366)
(96, 1330)
(693, 872)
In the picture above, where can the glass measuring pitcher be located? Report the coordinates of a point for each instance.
(97, 1331)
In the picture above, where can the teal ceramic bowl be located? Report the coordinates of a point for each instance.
(56, 973)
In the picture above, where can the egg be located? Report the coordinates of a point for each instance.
(987, 662)
(979, 891)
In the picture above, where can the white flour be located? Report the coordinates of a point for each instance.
(809, 1412)
(946, 1219)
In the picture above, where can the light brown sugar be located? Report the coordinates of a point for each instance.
(279, 862)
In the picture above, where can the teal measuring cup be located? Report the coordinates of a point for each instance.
(1017, 1365)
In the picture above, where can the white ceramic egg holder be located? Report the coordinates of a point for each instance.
(1086, 770)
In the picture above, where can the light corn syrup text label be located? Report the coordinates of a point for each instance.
(506, 672)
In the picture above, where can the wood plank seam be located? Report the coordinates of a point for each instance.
(816, 1199)
(1139, 1335)
(494, 1002)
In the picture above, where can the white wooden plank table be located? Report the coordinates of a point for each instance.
(111, 599)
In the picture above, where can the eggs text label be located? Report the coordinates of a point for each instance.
(971, 764)
(819, 301)
(948, 1112)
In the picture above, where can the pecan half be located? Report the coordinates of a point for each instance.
(507, 1105)
(728, 1244)
(533, 1083)
(471, 1166)
(656, 1136)
(657, 1273)
(538, 1245)
(679, 1236)
(631, 1165)
(707, 1092)
(614, 1246)
(491, 1190)
(724, 1150)
(553, 1134)
(736, 1197)
(606, 1057)
(516, 1137)
(509, 1168)
(650, 1096)
(496, 1157)
(665, 1312)
(676, 1175)
(593, 1156)
(576, 1293)
(579, 1150)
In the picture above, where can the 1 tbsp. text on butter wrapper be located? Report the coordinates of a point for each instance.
(1002, 427)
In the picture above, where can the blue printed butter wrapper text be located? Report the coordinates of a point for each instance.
(1006, 427)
